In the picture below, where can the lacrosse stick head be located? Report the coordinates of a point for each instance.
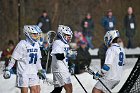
(50, 37)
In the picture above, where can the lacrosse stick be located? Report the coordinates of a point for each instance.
(80, 83)
(51, 35)
(77, 79)
(92, 73)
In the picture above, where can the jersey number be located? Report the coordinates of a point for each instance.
(121, 59)
(33, 57)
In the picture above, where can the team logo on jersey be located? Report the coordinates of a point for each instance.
(32, 50)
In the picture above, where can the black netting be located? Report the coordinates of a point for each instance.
(136, 86)
(132, 85)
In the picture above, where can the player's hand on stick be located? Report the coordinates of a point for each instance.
(42, 74)
(97, 76)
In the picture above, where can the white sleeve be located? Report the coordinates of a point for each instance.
(39, 55)
(11, 63)
(38, 64)
(110, 55)
(57, 49)
(18, 51)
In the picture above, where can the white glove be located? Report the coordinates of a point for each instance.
(6, 74)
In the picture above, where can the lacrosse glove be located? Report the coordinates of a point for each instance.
(97, 76)
(6, 74)
(42, 74)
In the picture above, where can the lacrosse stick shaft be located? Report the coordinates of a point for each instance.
(50, 38)
(48, 55)
(77, 79)
(80, 83)
(105, 86)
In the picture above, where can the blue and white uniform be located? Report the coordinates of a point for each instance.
(60, 69)
(115, 57)
(28, 62)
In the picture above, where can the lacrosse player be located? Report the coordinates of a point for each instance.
(60, 54)
(112, 69)
(27, 55)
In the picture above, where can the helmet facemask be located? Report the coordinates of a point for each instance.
(34, 36)
(68, 38)
(64, 33)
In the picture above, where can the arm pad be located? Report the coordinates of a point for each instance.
(60, 56)
(105, 68)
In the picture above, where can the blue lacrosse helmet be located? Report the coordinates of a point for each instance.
(31, 33)
(110, 36)
(63, 31)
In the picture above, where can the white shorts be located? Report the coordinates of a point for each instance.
(27, 80)
(61, 78)
(110, 84)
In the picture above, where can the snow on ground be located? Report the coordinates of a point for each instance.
(9, 85)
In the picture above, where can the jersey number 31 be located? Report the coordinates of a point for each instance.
(33, 57)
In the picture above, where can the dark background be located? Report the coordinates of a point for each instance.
(68, 12)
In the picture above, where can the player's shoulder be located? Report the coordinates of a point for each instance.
(113, 47)
(58, 43)
(21, 43)
(116, 47)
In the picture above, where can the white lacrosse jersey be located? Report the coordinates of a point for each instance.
(115, 57)
(28, 57)
(58, 65)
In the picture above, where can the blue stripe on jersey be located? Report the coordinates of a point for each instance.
(116, 45)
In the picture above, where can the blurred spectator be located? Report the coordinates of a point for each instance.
(120, 42)
(6, 55)
(79, 37)
(44, 23)
(83, 58)
(130, 26)
(87, 29)
(102, 53)
(109, 21)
